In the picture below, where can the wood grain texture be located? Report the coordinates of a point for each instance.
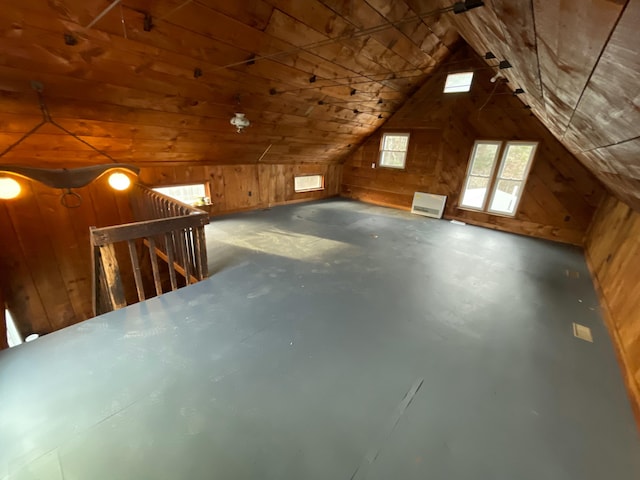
(560, 195)
(45, 255)
(236, 188)
(613, 254)
(4, 342)
(578, 65)
(134, 94)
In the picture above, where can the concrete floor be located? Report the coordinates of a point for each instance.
(335, 340)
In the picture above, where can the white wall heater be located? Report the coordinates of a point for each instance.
(428, 204)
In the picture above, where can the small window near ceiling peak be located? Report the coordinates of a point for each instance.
(308, 183)
(393, 150)
(458, 82)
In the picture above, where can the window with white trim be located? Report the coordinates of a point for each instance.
(458, 82)
(393, 150)
(193, 194)
(308, 183)
(496, 187)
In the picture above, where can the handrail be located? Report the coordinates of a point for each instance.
(168, 229)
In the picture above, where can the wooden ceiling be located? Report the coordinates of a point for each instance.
(579, 64)
(327, 74)
(136, 95)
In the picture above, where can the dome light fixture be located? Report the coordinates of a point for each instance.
(9, 188)
(240, 121)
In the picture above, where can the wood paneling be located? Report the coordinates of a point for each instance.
(45, 261)
(613, 254)
(45, 255)
(236, 188)
(578, 64)
(560, 195)
(3, 325)
(133, 93)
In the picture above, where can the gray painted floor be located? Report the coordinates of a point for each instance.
(335, 340)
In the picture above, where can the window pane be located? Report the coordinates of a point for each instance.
(395, 142)
(475, 192)
(458, 82)
(392, 159)
(484, 158)
(506, 196)
(189, 194)
(308, 183)
(516, 161)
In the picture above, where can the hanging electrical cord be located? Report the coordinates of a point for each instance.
(458, 7)
(493, 91)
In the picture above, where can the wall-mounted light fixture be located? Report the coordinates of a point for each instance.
(63, 178)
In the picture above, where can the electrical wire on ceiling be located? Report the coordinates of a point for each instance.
(455, 8)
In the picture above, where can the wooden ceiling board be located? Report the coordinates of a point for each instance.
(578, 64)
(609, 110)
(133, 93)
(566, 64)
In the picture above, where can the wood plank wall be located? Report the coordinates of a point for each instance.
(44, 253)
(613, 255)
(560, 196)
(3, 325)
(44, 247)
(236, 188)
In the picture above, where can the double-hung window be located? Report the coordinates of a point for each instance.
(496, 186)
(393, 150)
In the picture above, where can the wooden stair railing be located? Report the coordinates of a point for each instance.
(169, 229)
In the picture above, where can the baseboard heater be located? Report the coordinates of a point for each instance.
(428, 204)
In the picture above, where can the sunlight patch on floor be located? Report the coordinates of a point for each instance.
(296, 246)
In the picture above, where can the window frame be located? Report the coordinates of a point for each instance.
(495, 176)
(207, 189)
(382, 150)
(305, 190)
(444, 89)
(491, 176)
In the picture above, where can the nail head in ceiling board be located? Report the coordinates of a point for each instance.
(272, 91)
(70, 39)
(251, 60)
(197, 72)
(313, 79)
(147, 23)
(353, 91)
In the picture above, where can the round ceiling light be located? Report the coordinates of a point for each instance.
(9, 188)
(119, 181)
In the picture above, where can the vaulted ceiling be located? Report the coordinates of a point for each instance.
(157, 81)
(136, 93)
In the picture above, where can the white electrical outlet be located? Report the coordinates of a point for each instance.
(373, 165)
